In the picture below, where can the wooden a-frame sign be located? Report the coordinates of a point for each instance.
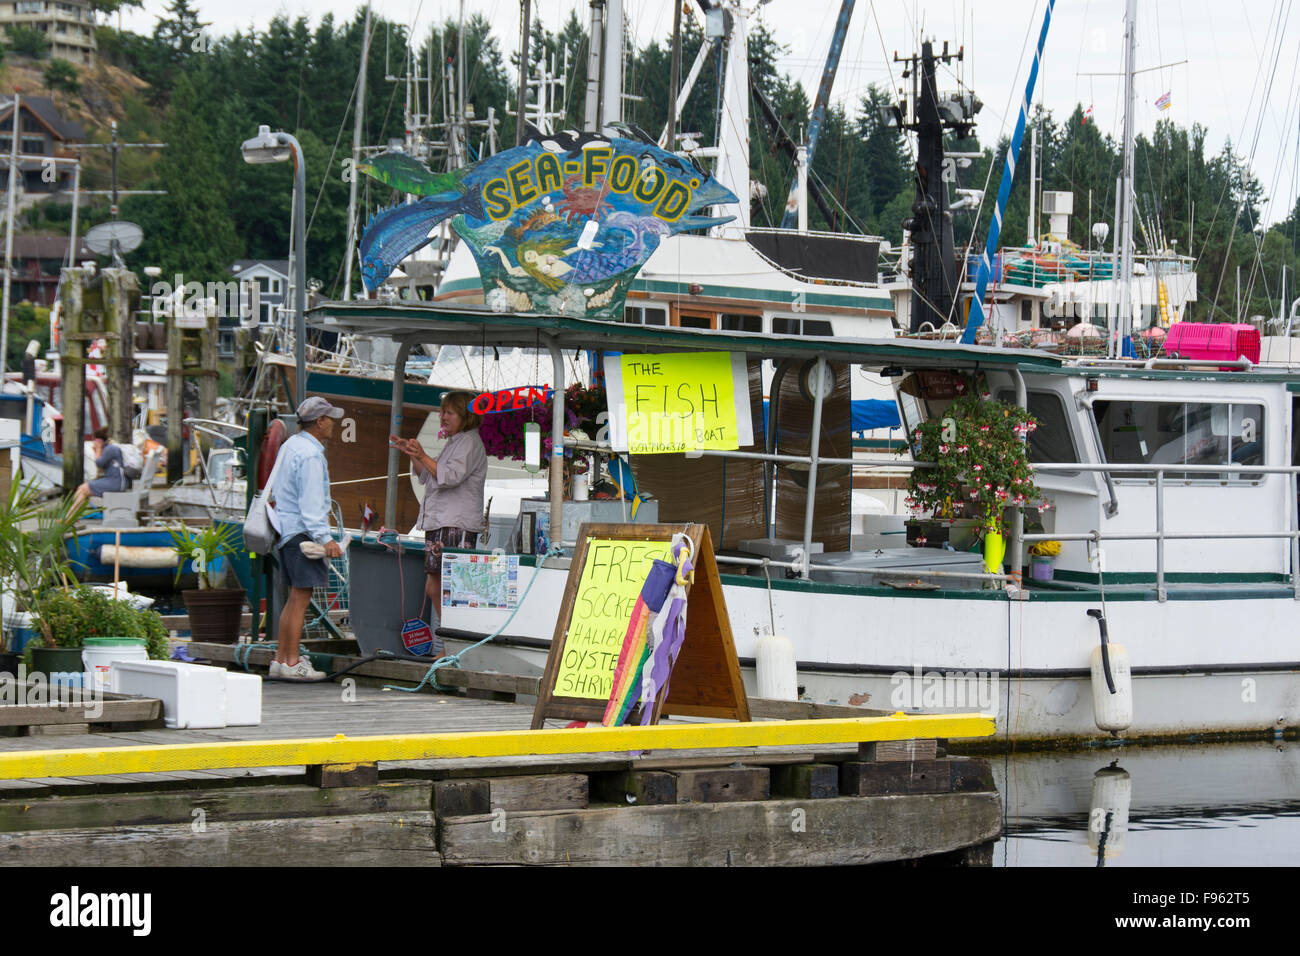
(705, 680)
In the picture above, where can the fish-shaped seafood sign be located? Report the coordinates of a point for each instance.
(559, 225)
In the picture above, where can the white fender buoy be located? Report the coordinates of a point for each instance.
(138, 557)
(774, 662)
(1112, 791)
(1112, 712)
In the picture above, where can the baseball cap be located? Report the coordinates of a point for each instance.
(317, 407)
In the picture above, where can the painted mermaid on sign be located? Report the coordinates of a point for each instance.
(560, 224)
(553, 265)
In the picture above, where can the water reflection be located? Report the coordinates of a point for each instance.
(1206, 805)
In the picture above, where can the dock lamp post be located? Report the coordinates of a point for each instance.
(268, 147)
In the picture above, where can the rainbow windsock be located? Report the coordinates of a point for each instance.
(626, 689)
(668, 629)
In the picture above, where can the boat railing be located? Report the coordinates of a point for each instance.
(1159, 535)
(804, 567)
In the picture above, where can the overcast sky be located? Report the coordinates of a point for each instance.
(1240, 80)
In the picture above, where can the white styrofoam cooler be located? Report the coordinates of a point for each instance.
(196, 696)
(243, 699)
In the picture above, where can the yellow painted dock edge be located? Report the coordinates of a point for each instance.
(89, 762)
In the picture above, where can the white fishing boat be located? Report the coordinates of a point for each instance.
(1175, 529)
(1169, 483)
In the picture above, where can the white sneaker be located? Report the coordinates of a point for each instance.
(276, 669)
(302, 671)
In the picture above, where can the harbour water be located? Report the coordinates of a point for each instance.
(1222, 804)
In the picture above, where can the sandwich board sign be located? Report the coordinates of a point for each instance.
(609, 566)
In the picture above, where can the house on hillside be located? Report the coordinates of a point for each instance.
(36, 263)
(69, 25)
(42, 133)
(272, 278)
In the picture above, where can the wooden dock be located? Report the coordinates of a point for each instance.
(790, 804)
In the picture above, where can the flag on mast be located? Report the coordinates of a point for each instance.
(1087, 115)
(1163, 103)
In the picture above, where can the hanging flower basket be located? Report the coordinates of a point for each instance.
(503, 432)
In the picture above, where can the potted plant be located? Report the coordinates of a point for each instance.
(69, 617)
(1042, 559)
(32, 554)
(980, 466)
(214, 611)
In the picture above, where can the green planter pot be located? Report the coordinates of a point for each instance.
(56, 660)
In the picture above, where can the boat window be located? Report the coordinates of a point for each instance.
(219, 463)
(1194, 433)
(695, 320)
(787, 326)
(733, 322)
(638, 315)
(1051, 442)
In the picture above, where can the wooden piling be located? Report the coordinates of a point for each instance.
(72, 352)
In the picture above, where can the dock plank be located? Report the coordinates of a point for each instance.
(838, 831)
(378, 839)
(226, 804)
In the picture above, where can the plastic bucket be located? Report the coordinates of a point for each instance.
(20, 637)
(1041, 567)
(99, 653)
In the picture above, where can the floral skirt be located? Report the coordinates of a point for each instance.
(435, 541)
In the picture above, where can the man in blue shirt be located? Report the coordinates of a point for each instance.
(302, 506)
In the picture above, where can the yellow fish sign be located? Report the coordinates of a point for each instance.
(681, 402)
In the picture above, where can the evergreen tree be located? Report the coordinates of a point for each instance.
(192, 232)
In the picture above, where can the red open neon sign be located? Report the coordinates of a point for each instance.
(510, 399)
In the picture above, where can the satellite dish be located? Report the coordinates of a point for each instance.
(128, 236)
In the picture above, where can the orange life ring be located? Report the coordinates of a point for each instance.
(275, 436)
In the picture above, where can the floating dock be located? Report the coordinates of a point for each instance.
(343, 773)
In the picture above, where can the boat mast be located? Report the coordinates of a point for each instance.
(521, 120)
(669, 140)
(357, 123)
(9, 238)
(604, 65)
(797, 201)
(976, 318)
(733, 125)
(933, 264)
(1121, 336)
(1033, 187)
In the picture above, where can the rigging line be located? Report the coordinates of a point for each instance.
(1257, 270)
(835, 200)
(1238, 168)
(993, 164)
(889, 65)
(480, 60)
(330, 164)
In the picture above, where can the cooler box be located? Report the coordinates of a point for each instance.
(1223, 341)
(193, 695)
(243, 699)
(851, 565)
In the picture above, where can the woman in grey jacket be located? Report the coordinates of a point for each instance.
(451, 514)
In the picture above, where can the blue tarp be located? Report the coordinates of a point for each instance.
(868, 413)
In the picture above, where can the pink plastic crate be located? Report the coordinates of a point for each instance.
(1212, 340)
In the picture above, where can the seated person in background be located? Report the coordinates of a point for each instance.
(108, 458)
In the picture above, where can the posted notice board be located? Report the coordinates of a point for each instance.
(609, 567)
(678, 402)
(611, 579)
